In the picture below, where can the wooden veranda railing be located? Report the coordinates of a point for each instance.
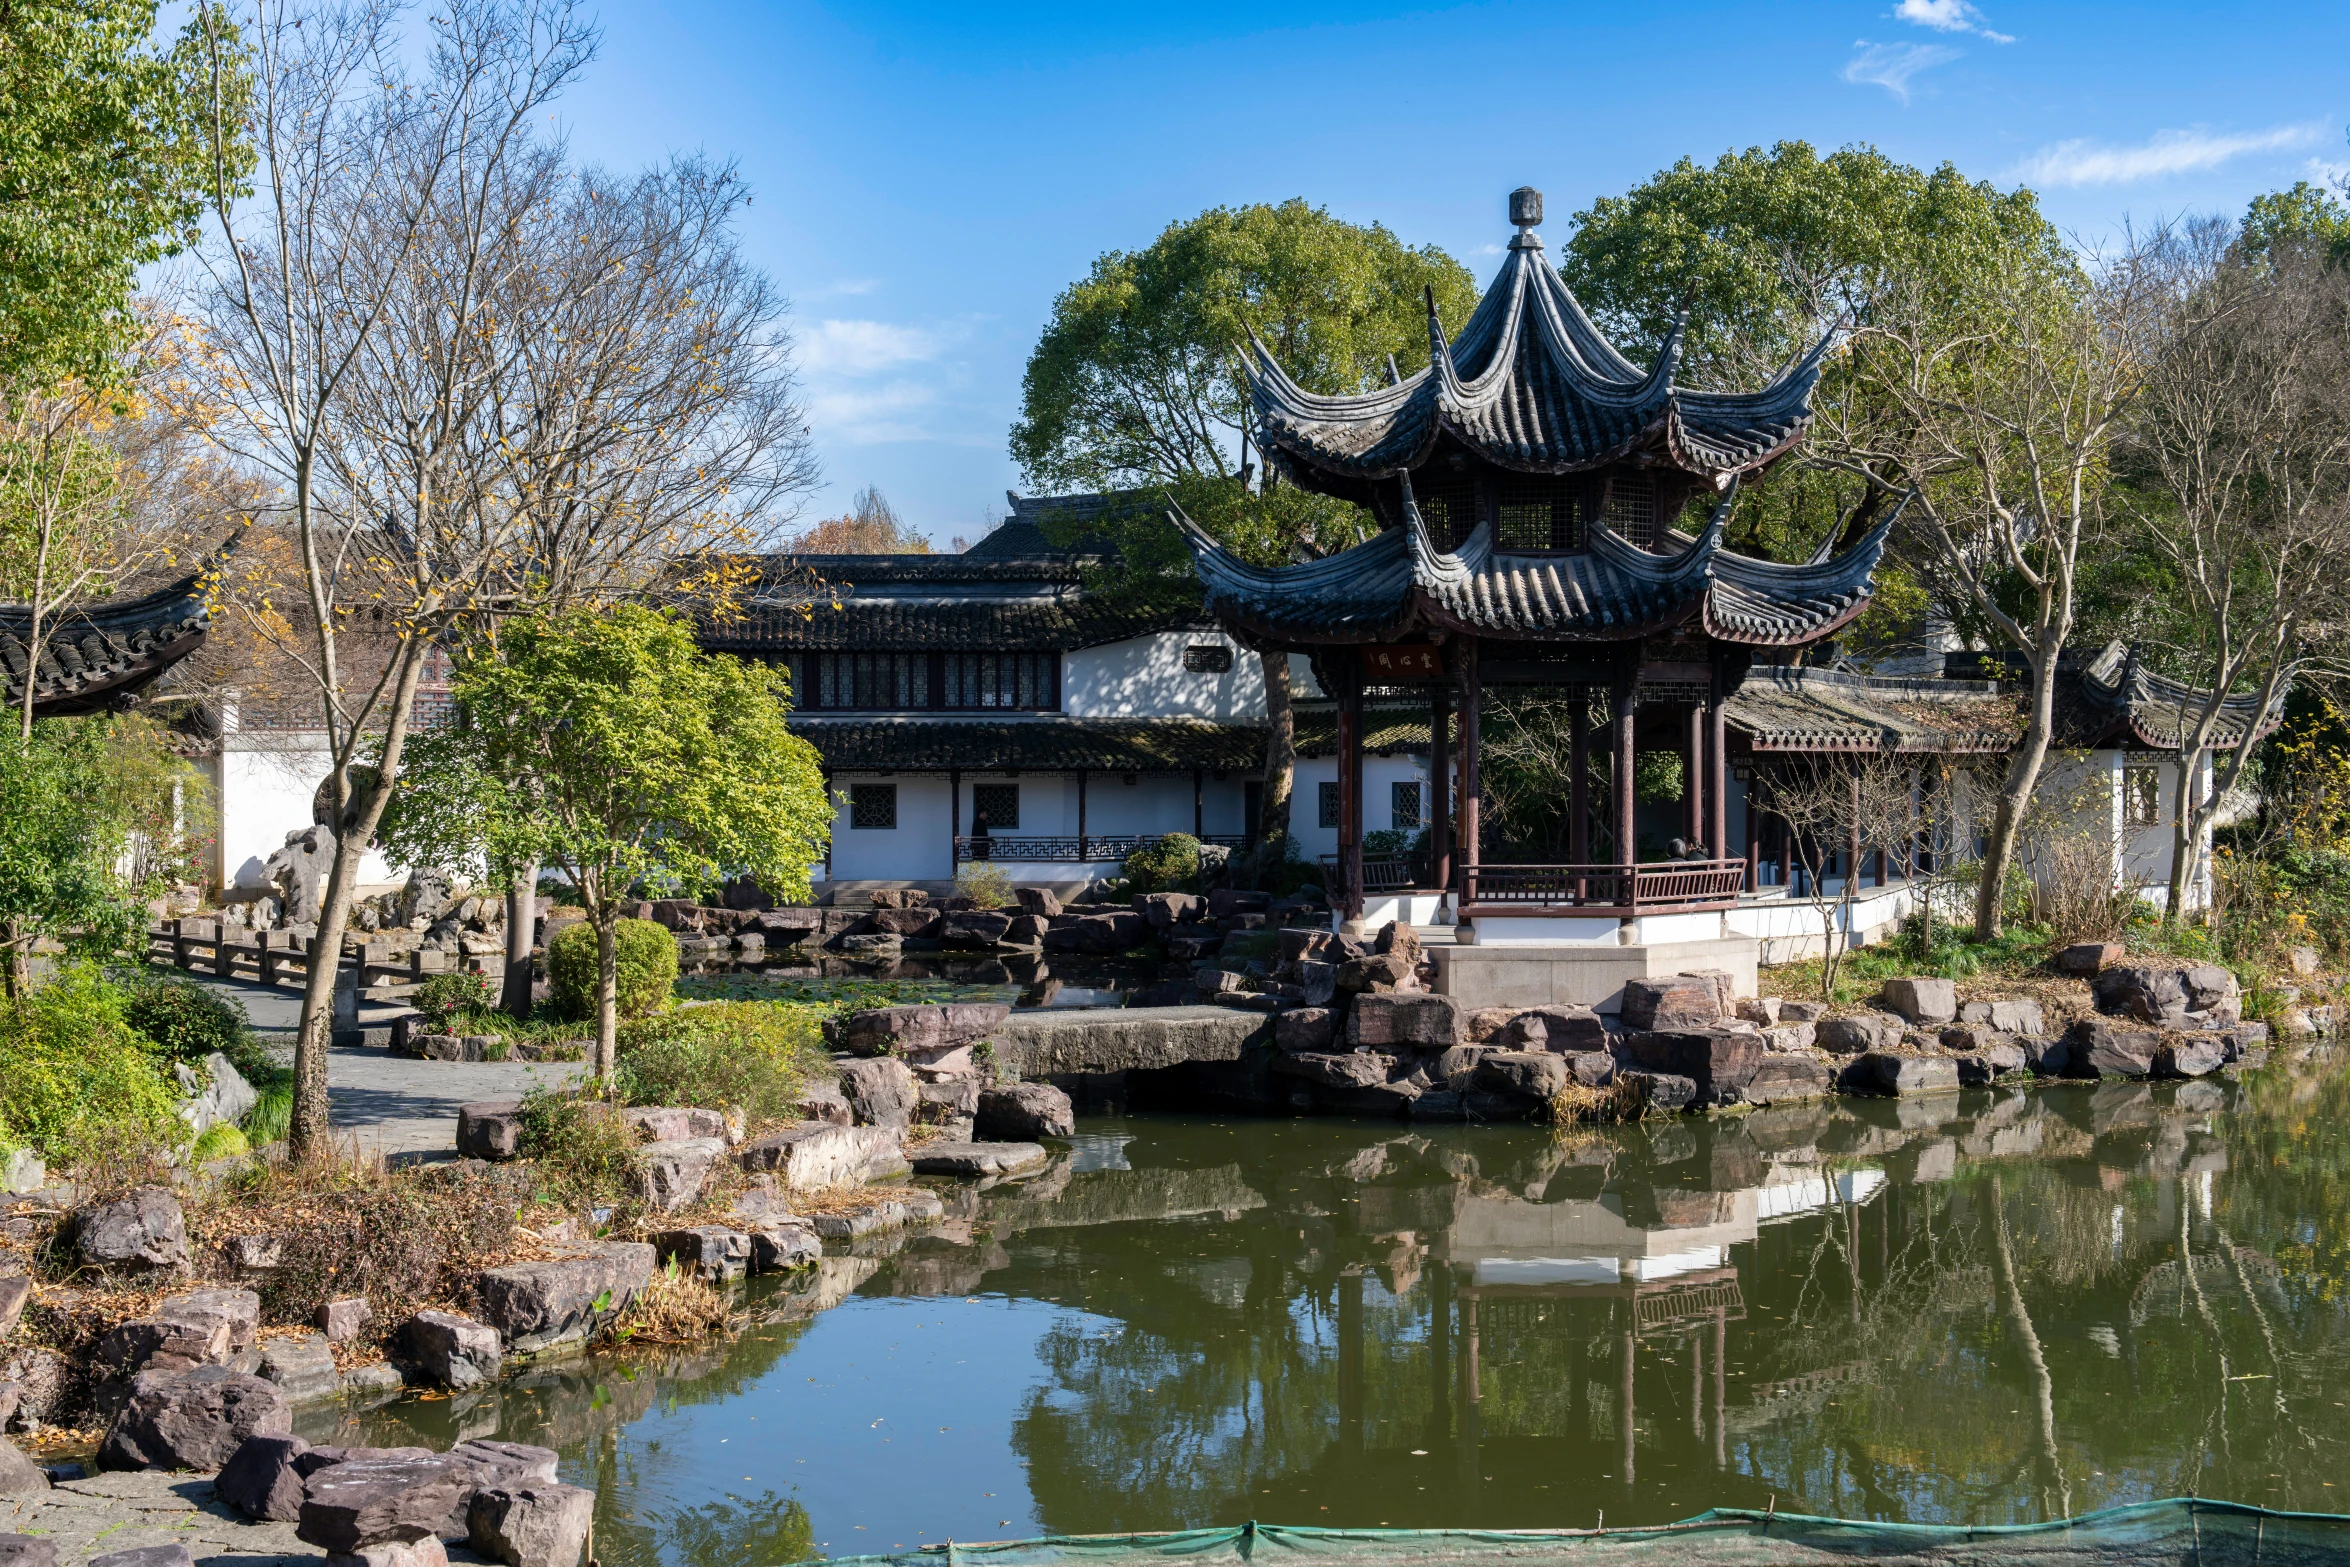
(1379, 875)
(1092, 848)
(1668, 887)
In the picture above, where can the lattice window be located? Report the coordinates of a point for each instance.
(1448, 504)
(1538, 513)
(873, 806)
(1631, 508)
(879, 681)
(996, 804)
(2141, 796)
(1404, 806)
(1207, 660)
(1029, 681)
(1327, 795)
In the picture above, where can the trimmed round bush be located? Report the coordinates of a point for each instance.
(1169, 865)
(644, 968)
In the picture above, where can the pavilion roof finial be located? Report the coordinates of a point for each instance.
(1526, 213)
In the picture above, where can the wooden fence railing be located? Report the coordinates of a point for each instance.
(1667, 887)
(1093, 848)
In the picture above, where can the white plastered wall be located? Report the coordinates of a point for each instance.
(264, 784)
(915, 850)
(1380, 774)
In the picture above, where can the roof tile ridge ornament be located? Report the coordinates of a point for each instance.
(1863, 554)
(1431, 567)
(1271, 386)
(1665, 574)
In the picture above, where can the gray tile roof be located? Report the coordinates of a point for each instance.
(1532, 386)
(2116, 700)
(103, 655)
(1793, 708)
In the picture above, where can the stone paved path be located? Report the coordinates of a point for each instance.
(405, 1110)
(115, 1512)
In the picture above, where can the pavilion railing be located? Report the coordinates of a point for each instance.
(1667, 887)
(1379, 875)
(1092, 848)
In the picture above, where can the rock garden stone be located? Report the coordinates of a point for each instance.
(1790, 1036)
(2142, 991)
(1859, 1033)
(1377, 973)
(369, 1501)
(1591, 1068)
(776, 1248)
(22, 1170)
(342, 1321)
(139, 1232)
(2088, 957)
(1334, 1069)
(977, 1159)
(874, 944)
(27, 1550)
(2018, 1017)
(260, 1479)
(891, 1213)
(1802, 1011)
(970, 929)
(1421, 1022)
(2190, 1055)
(1558, 1028)
(711, 1252)
(816, 1156)
(669, 1124)
(170, 1554)
(1674, 1001)
(19, 1475)
(1762, 1011)
(427, 1552)
(1042, 902)
(201, 1328)
(2104, 1049)
(1786, 1079)
(1168, 909)
(1923, 1001)
(504, 1463)
(490, 1129)
(672, 1174)
(303, 1364)
(2003, 1056)
(879, 1092)
(541, 1525)
(1664, 1092)
(1717, 1060)
(1024, 1112)
(1536, 1076)
(1883, 1072)
(450, 1350)
(824, 1102)
(192, 1419)
(1098, 935)
(1306, 1028)
(536, 1304)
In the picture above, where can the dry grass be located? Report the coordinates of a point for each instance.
(679, 1308)
(1573, 1104)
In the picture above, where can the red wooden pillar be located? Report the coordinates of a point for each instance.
(1439, 786)
(1472, 713)
(1627, 799)
(1693, 778)
(1717, 770)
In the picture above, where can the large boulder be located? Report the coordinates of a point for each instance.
(916, 1030)
(777, 1247)
(711, 1252)
(1560, 1028)
(1536, 1076)
(2104, 1049)
(1165, 910)
(535, 1304)
(1718, 1060)
(387, 1499)
(880, 1092)
(1098, 935)
(1024, 1112)
(1348, 1069)
(201, 1328)
(674, 1123)
(303, 1364)
(1674, 1001)
(2190, 1055)
(1305, 1028)
(672, 1174)
(978, 1159)
(450, 1350)
(260, 1479)
(1885, 1072)
(2088, 957)
(1859, 1033)
(539, 1525)
(1923, 1002)
(192, 1419)
(1041, 902)
(1422, 1022)
(2141, 991)
(141, 1231)
(974, 928)
(490, 1129)
(19, 1475)
(215, 1092)
(816, 1156)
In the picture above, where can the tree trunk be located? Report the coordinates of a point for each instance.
(2015, 793)
(521, 914)
(307, 1134)
(1280, 769)
(2186, 832)
(607, 994)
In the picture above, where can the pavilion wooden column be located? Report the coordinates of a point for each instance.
(1350, 794)
(1579, 779)
(1717, 770)
(1627, 705)
(1439, 786)
(1693, 778)
(1472, 713)
(954, 821)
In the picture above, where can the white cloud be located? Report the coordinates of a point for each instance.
(864, 347)
(1890, 66)
(1949, 16)
(2082, 162)
(866, 418)
(2334, 174)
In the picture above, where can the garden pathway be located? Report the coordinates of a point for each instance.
(406, 1110)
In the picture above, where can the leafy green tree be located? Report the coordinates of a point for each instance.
(64, 832)
(1137, 381)
(102, 170)
(2305, 215)
(604, 743)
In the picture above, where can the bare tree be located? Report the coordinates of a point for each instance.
(2242, 428)
(381, 196)
(1849, 805)
(2013, 411)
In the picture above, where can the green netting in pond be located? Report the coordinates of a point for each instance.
(2182, 1532)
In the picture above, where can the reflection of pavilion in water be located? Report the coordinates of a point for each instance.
(1586, 1268)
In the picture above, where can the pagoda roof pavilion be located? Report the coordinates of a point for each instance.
(94, 657)
(1531, 386)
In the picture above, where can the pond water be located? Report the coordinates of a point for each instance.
(1992, 1307)
(1020, 982)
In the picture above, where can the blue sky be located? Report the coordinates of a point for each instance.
(928, 177)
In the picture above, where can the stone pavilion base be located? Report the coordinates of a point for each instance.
(1509, 968)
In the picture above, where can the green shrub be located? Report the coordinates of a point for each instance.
(985, 883)
(76, 1081)
(1169, 865)
(644, 963)
(583, 1149)
(450, 1000)
(272, 1115)
(752, 1056)
(221, 1140)
(183, 1019)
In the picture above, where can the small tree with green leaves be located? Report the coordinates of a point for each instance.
(608, 743)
